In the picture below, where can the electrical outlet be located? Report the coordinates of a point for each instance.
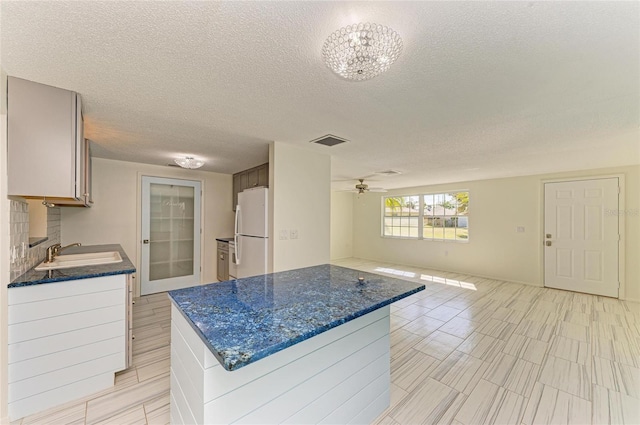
(293, 234)
(284, 235)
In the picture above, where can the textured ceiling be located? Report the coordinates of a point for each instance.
(482, 89)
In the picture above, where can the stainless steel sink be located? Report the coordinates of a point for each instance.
(79, 260)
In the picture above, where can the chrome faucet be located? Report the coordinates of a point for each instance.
(56, 249)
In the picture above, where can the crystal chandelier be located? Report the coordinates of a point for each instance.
(361, 51)
(189, 162)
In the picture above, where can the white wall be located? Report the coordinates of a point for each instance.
(341, 225)
(496, 208)
(4, 250)
(114, 217)
(300, 200)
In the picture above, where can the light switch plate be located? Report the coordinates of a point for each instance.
(284, 235)
(520, 229)
(293, 234)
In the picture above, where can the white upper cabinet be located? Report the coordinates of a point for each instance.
(48, 155)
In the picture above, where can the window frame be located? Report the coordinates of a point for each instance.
(384, 216)
(422, 217)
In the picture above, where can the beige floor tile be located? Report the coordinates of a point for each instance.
(570, 349)
(133, 416)
(522, 377)
(460, 371)
(481, 346)
(612, 407)
(459, 303)
(157, 411)
(423, 326)
(459, 327)
(432, 302)
(411, 368)
(151, 370)
(491, 404)
(577, 317)
(616, 351)
(573, 331)
(411, 312)
(385, 420)
(438, 344)
(567, 376)
(518, 304)
(535, 330)
(107, 406)
(443, 313)
(397, 322)
(402, 340)
(618, 377)
(497, 329)
(525, 348)
(427, 404)
(500, 368)
(548, 405)
(478, 313)
(508, 315)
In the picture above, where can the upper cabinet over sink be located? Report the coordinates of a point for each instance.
(48, 156)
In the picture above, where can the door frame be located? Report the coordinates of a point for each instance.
(137, 285)
(621, 224)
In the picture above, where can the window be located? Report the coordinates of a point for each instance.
(436, 216)
(402, 216)
(445, 216)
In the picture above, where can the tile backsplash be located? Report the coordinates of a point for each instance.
(22, 258)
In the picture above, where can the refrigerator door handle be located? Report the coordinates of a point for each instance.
(235, 236)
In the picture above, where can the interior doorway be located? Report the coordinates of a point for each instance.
(170, 234)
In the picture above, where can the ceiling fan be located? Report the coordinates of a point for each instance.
(362, 187)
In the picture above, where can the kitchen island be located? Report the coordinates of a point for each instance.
(303, 346)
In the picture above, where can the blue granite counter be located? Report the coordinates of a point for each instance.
(225, 240)
(33, 277)
(247, 319)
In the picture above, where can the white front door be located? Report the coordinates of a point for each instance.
(581, 236)
(170, 234)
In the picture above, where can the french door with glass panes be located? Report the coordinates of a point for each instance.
(170, 234)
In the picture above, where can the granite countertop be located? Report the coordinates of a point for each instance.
(33, 277)
(245, 320)
(227, 240)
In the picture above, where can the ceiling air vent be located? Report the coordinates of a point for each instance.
(329, 140)
(388, 172)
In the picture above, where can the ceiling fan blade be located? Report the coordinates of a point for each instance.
(377, 189)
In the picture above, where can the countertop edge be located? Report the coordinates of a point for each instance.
(237, 364)
(32, 277)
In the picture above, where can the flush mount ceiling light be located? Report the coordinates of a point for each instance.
(189, 162)
(361, 51)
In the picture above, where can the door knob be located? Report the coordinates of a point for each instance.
(146, 241)
(548, 235)
(548, 243)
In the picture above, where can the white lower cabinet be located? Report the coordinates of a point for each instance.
(66, 340)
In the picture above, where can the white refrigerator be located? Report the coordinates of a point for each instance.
(252, 232)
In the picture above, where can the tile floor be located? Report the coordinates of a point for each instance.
(467, 350)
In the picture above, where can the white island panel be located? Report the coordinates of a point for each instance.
(341, 375)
